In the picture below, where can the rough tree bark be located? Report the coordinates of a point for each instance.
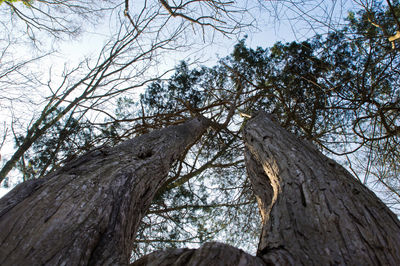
(314, 212)
(87, 212)
(212, 253)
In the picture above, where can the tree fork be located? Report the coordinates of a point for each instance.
(314, 212)
(88, 212)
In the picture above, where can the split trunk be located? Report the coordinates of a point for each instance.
(313, 211)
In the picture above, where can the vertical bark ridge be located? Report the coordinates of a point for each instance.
(88, 211)
(314, 211)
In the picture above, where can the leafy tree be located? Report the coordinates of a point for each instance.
(339, 91)
(312, 209)
(123, 62)
(317, 89)
(321, 90)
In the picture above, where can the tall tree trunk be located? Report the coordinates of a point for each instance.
(88, 211)
(313, 211)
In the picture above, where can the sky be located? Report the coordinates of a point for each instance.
(272, 26)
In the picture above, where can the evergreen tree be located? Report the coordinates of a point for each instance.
(339, 91)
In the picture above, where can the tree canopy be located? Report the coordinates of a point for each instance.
(338, 90)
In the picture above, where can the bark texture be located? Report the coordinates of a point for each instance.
(87, 213)
(314, 212)
(212, 253)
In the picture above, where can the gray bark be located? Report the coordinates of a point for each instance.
(87, 213)
(314, 212)
(209, 254)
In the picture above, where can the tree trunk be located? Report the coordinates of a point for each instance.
(88, 211)
(314, 212)
(212, 253)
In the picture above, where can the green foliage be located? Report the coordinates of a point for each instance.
(183, 86)
(340, 91)
(66, 139)
(27, 3)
